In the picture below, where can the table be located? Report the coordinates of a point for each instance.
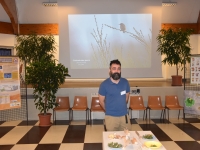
(140, 141)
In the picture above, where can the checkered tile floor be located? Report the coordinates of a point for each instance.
(77, 135)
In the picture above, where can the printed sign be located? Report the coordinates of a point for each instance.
(9, 83)
(195, 70)
(192, 102)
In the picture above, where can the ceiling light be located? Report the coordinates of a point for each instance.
(169, 3)
(50, 4)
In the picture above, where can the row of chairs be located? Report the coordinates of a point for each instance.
(136, 103)
(80, 104)
(155, 103)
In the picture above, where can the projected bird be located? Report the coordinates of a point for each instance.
(122, 27)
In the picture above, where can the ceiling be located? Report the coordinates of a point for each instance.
(33, 12)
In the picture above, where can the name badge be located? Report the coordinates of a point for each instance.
(123, 92)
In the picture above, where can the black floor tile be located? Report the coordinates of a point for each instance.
(92, 146)
(188, 145)
(1, 122)
(47, 147)
(28, 123)
(4, 130)
(133, 121)
(62, 122)
(6, 147)
(191, 130)
(97, 122)
(34, 135)
(160, 120)
(192, 120)
(75, 134)
(161, 136)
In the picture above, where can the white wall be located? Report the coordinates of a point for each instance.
(7, 40)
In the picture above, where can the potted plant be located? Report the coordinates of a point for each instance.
(174, 44)
(42, 71)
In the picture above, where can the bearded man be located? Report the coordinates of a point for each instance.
(113, 97)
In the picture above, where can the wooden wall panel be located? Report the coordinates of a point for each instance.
(6, 28)
(193, 26)
(41, 29)
(198, 23)
(44, 29)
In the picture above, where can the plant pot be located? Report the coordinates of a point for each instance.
(176, 80)
(45, 120)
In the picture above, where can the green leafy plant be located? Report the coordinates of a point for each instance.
(174, 44)
(31, 48)
(43, 72)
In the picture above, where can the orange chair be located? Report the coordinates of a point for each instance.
(63, 105)
(95, 106)
(80, 104)
(136, 103)
(154, 103)
(172, 103)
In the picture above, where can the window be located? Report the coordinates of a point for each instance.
(4, 51)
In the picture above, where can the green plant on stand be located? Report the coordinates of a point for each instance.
(43, 72)
(174, 44)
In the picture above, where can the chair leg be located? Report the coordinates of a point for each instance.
(161, 114)
(72, 115)
(164, 117)
(168, 115)
(164, 114)
(143, 114)
(131, 115)
(86, 116)
(149, 115)
(146, 113)
(69, 116)
(178, 114)
(55, 116)
(183, 114)
(90, 117)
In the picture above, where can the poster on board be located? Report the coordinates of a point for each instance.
(9, 83)
(192, 102)
(195, 70)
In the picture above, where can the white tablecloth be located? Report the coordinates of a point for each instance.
(138, 146)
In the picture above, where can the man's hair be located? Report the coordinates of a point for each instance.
(116, 61)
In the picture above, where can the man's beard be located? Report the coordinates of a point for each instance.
(115, 76)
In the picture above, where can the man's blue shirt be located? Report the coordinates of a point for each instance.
(115, 96)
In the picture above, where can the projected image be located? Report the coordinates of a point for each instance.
(96, 39)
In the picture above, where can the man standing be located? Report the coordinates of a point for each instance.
(113, 97)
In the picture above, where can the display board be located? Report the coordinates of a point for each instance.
(9, 83)
(192, 102)
(195, 69)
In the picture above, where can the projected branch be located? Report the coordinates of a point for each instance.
(131, 48)
(101, 55)
(138, 36)
(103, 52)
